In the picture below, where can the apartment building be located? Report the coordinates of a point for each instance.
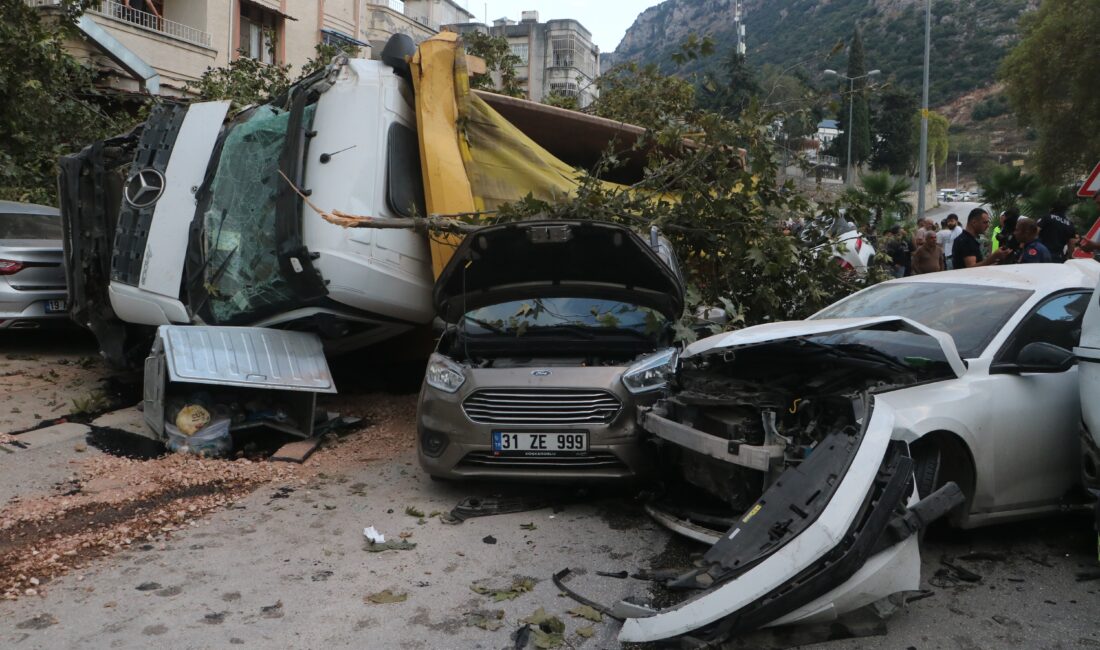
(556, 56)
(163, 46)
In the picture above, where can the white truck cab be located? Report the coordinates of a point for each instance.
(190, 219)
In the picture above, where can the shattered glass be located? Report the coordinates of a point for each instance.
(240, 244)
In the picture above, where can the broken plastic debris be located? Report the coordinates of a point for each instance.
(373, 535)
(191, 418)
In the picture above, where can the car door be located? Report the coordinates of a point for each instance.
(1035, 416)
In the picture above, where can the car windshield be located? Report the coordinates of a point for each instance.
(577, 315)
(30, 226)
(971, 314)
(241, 271)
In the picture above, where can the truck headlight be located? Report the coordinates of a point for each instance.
(444, 374)
(652, 372)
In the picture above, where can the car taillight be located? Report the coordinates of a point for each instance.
(844, 264)
(7, 267)
(859, 243)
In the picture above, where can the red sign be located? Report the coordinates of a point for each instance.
(1093, 235)
(1092, 185)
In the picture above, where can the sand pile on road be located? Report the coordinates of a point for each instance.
(112, 503)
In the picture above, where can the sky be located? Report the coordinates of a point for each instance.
(606, 20)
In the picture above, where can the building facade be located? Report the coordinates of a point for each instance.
(164, 46)
(556, 57)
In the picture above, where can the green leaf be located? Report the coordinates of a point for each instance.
(585, 611)
(387, 597)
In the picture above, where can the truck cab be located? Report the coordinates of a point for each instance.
(197, 216)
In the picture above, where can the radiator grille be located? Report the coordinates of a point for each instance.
(538, 406)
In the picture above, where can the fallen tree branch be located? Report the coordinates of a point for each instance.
(449, 224)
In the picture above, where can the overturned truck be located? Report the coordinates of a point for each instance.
(195, 217)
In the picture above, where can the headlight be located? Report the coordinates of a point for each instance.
(444, 374)
(652, 372)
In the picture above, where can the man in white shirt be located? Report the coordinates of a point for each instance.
(946, 237)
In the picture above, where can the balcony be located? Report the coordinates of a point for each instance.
(395, 5)
(139, 18)
(151, 22)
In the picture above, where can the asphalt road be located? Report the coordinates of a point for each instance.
(288, 566)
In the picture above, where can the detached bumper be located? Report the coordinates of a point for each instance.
(831, 535)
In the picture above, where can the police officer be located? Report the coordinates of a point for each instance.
(1031, 249)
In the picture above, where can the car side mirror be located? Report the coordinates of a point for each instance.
(1044, 357)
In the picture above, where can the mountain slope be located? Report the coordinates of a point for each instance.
(969, 37)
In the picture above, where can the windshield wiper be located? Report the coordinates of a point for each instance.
(487, 325)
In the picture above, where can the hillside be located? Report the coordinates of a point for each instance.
(969, 37)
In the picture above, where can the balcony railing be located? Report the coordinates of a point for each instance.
(396, 5)
(152, 22)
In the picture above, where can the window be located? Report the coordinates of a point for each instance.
(520, 50)
(952, 308)
(260, 30)
(563, 89)
(564, 48)
(404, 184)
(1057, 320)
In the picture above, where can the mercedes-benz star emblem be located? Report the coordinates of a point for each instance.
(144, 188)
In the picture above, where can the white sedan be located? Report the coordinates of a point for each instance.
(836, 439)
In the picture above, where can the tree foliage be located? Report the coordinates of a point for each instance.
(499, 60)
(50, 103)
(727, 222)
(893, 124)
(732, 94)
(1051, 83)
(855, 102)
(243, 81)
(561, 101)
(1006, 187)
(939, 141)
(880, 202)
(644, 96)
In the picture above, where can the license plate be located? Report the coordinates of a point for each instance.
(540, 444)
(56, 306)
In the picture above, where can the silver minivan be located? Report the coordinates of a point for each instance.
(555, 332)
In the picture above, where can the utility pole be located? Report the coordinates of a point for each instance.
(958, 163)
(923, 182)
(739, 27)
(851, 104)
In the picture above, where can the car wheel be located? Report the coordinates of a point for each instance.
(926, 469)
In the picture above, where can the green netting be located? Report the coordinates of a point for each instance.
(240, 247)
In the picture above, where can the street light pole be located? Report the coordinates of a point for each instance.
(851, 106)
(924, 116)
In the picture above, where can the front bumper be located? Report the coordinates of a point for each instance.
(615, 448)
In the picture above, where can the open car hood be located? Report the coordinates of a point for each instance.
(546, 259)
(791, 330)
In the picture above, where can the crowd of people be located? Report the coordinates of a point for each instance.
(952, 244)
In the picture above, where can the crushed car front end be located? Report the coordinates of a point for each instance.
(808, 501)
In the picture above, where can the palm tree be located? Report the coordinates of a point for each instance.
(884, 196)
(1006, 187)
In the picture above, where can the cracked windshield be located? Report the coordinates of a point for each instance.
(241, 273)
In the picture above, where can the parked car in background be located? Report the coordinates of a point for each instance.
(832, 441)
(32, 273)
(847, 244)
(555, 331)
